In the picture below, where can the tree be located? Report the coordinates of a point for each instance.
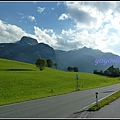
(115, 72)
(107, 72)
(41, 63)
(75, 69)
(69, 68)
(95, 71)
(55, 64)
(49, 63)
(101, 72)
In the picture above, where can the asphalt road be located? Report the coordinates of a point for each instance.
(109, 111)
(112, 110)
(61, 106)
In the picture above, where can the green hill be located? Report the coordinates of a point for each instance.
(22, 81)
(6, 64)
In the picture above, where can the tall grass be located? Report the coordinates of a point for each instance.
(25, 82)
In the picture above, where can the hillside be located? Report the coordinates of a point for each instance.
(26, 50)
(6, 64)
(29, 50)
(84, 59)
(21, 81)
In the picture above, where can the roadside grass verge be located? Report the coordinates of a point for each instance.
(105, 101)
(22, 81)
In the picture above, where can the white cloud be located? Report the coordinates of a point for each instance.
(63, 17)
(91, 14)
(48, 30)
(40, 9)
(31, 18)
(68, 32)
(96, 25)
(53, 8)
(80, 15)
(10, 33)
(27, 17)
(63, 44)
(42, 36)
(22, 16)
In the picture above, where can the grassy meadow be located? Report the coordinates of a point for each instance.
(22, 81)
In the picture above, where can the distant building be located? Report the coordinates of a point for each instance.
(113, 71)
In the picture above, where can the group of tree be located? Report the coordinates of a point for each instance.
(42, 63)
(111, 72)
(75, 69)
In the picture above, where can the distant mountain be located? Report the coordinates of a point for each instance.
(27, 41)
(28, 50)
(85, 59)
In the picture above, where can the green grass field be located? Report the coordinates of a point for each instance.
(21, 81)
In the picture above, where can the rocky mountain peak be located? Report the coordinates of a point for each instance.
(27, 41)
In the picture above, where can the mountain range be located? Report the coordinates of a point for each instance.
(86, 59)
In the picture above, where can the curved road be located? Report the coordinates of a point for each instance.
(61, 106)
(109, 111)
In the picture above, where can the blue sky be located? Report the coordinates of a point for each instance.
(63, 25)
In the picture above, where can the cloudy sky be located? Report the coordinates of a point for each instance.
(63, 25)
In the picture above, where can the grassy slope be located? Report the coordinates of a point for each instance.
(20, 85)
